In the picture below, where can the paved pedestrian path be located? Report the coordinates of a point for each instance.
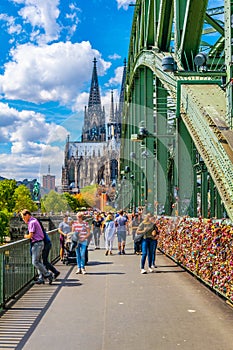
(114, 307)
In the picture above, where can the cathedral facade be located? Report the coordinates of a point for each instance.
(95, 159)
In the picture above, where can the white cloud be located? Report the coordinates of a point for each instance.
(115, 56)
(41, 15)
(124, 3)
(33, 142)
(21, 166)
(43, 20)
(106, 101)
(49, 72)
(11, 26)
(117, 79)
(81, 102)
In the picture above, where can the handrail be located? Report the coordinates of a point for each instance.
(16, 269)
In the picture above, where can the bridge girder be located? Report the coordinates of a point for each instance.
(179, 29)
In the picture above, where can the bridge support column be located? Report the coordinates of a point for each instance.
(228, 8)
(185, 171)
(162, 196)
(149, 141)
(204, 191)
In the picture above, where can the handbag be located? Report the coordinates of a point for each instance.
(138, 238)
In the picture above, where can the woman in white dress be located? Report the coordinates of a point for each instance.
(110, 231)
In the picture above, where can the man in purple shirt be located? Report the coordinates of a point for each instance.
(36, 235)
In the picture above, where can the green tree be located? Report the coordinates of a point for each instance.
(7, 190)
(4, 225)
(72, 201)
(23, 199)
(54, 202)
(89, 195)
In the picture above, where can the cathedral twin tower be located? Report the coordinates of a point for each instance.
(95, 159)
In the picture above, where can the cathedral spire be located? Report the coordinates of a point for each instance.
(111, 115)
(94, 117)
(94, 97)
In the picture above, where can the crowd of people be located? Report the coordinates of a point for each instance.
(203, 246)
(110, 226)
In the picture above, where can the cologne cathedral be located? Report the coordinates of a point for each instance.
(95, 159)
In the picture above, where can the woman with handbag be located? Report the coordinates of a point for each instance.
(149, 229)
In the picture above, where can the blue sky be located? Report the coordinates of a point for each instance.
(46, 60)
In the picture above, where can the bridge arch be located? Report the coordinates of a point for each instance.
(186, 113)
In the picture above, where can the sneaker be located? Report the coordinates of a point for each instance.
(50, 278)
(39, 281)
(83, 271)
(154, 266)
(78, 271)
(56, 275)
(150, 269)
(143, 271)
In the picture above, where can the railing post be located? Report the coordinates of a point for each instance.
(1, 281)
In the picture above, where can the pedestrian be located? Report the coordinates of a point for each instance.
(36, 236)
(154, 246)
(64, 228)
(135, 224)
(82, 228)
(96, 229)
(150, 230)
(110, 230)
(121, 225)
(45, 254)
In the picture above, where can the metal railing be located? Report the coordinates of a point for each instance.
(16, 269)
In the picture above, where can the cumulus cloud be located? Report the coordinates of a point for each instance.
(49, 72)
(33, 141)
(117, 79)
(9, 23)
(42, 16)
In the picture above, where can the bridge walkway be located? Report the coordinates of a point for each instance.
(114, 307)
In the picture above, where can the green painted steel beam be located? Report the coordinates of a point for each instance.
(214, 24)
(191, 32)
(164, 28)
(204, 191)
(150, 24)
(185, 171)
(179, 17)
(161, 148)
(229, 58)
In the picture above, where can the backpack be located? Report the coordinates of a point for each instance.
(46, 236)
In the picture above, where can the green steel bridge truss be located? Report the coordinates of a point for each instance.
(177, 135)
